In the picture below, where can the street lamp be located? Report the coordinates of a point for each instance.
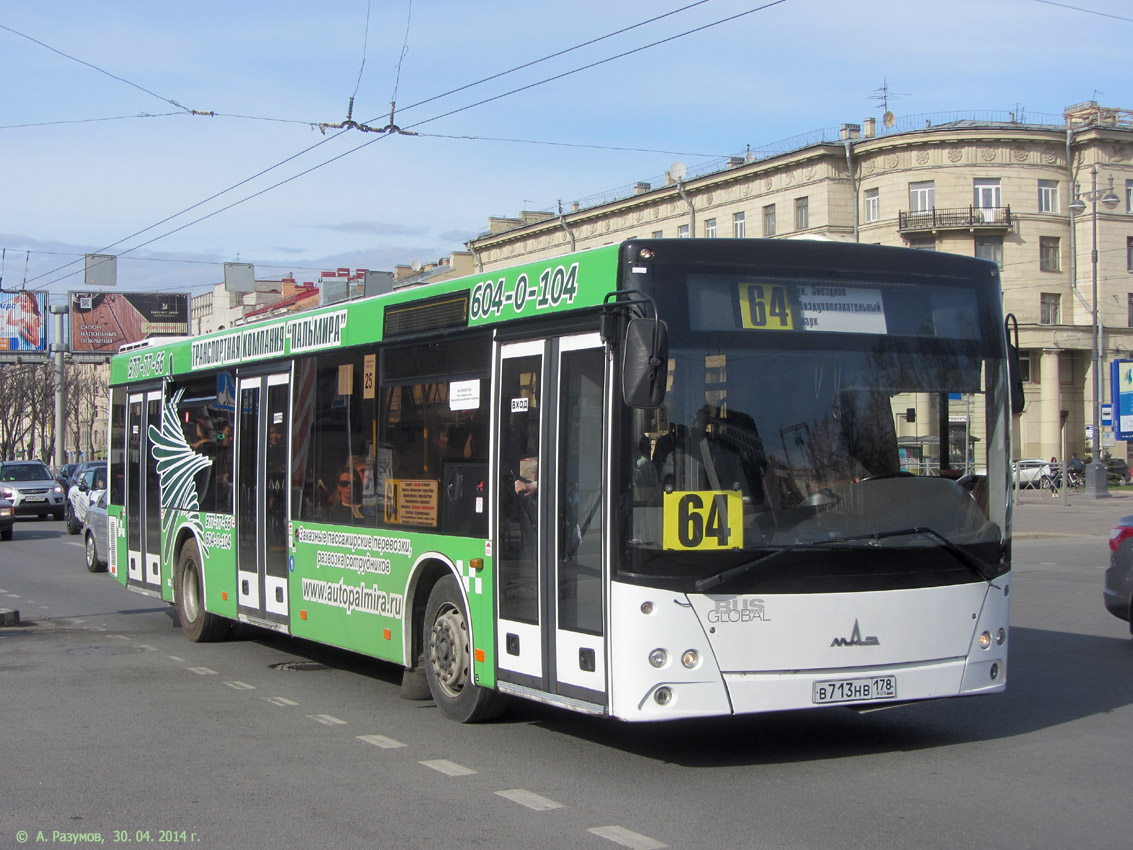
(1097, 484)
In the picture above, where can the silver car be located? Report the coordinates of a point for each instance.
(96, 534)
(32, 489)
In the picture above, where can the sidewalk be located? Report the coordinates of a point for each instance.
(1038, 514)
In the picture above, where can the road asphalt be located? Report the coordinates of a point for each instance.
(1038, 514)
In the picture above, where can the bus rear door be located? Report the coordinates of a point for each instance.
(143, 494)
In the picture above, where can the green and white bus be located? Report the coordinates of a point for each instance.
(654, 480)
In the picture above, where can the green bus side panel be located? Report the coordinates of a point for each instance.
(349, 587)
(219, 564)
(116, 556)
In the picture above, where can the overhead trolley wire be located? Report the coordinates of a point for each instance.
(359, 147)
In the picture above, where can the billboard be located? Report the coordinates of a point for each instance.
(1121, 390)
(104, 321)
(23, 321)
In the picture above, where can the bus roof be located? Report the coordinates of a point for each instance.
(570, 282)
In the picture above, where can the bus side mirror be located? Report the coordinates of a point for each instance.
(1015, 378)
(645, 366)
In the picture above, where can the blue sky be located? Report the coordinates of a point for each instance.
(81, 171)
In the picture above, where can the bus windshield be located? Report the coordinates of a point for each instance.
(797, 441)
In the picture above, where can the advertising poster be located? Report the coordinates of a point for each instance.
(104, 321)
(23, 321)
(1121, 385)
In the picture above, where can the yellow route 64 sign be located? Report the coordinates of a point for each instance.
(703, 519)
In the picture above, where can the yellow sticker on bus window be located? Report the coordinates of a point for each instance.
(703, 519)
(765, 307)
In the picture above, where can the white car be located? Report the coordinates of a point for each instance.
(84, 489)
(1030, 472)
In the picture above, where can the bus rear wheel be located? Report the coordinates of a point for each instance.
(448, 659)
(197, 624)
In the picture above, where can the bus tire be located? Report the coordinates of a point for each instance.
(197, 624)
(448, 659)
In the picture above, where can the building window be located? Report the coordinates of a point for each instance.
(1129, 253)
(922, 196)
(985, 193)
(1048, 196)
(923, 243)
(1130, 297)
(710, 229)
(1025, 366)
(682, 232)
(658, 234)
(990, 248)
(872, 205)
(1129, 196)
(1050, 312)
(802, 213)
(769, 220)
(1049, 254)
(738, 227)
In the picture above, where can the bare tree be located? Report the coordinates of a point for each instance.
(87, 389)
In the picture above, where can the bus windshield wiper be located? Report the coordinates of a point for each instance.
(980, 567)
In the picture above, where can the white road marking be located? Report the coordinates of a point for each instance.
(627, 838)
(327, 720)
(240, 686)
(381, 741)
(175, 658)
(144, 647)
(448, 768)
(202, 671)
(280, 701)
(529, 799)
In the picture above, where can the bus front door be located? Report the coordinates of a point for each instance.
(262, 490)
(143, 494)
(550, 518)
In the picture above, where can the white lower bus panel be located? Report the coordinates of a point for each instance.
(738, 654)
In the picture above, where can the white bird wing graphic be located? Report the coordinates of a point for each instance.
(177, 468)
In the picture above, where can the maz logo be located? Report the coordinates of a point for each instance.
(856, 639)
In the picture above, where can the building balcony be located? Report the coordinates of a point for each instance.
(964, 218)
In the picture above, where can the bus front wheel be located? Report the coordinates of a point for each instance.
(448, 659)
(197, 624)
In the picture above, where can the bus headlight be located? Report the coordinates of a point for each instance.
(985, 640)
(1000, 636)
(659, 657)
(663, 696)
(690, 659)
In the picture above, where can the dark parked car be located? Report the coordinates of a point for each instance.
(31, 488)
(7, 518)
(1118, 593)
(96, 534)
(63, 474)
(1117, 471)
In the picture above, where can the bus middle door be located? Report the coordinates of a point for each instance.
(262, 490)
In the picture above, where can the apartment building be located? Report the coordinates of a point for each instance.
(999, 187)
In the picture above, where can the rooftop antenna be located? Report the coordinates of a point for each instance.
(884, 94)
